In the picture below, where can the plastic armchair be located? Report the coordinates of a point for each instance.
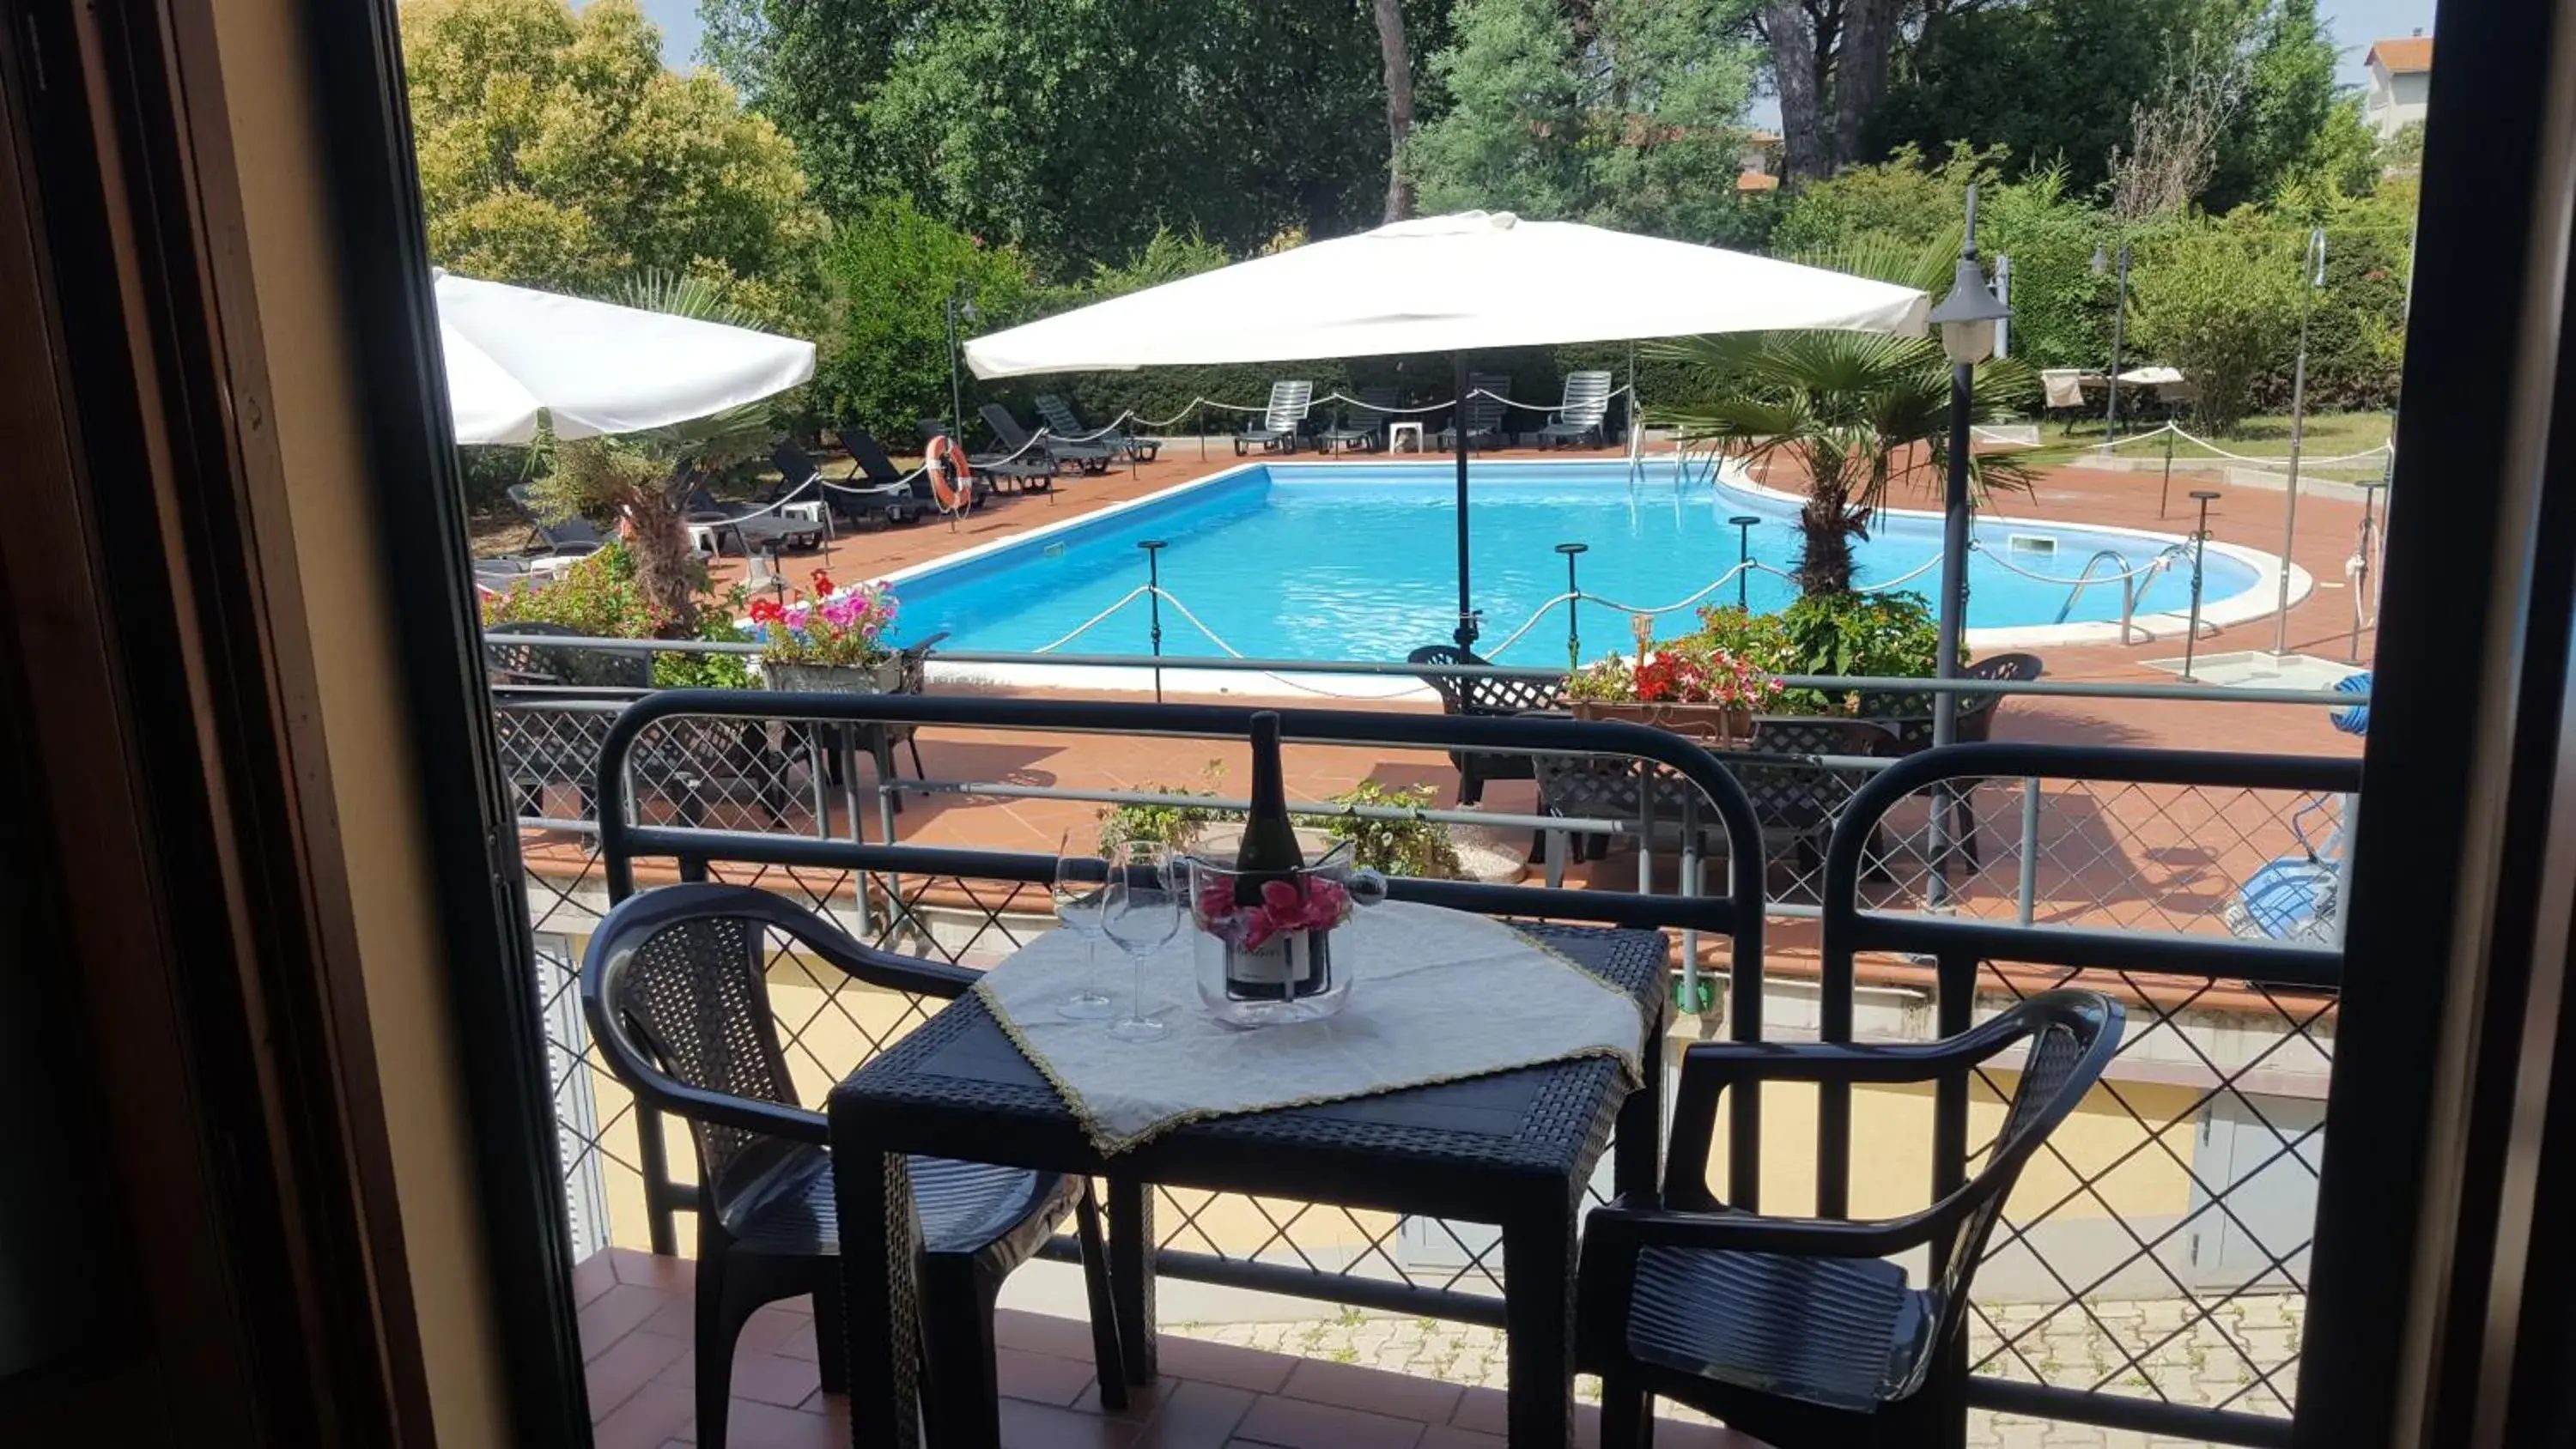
(1798, 1330)
(675, 989)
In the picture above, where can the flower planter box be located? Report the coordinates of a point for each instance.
(1707, 723)
(883, 677)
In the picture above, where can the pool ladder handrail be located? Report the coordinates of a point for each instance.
(2127, 578)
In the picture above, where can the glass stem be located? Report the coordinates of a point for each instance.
(1136, 990)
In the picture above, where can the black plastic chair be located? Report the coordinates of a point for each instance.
(676, 992)
(1910, 716)
(1794, 1330)
(1488, 696)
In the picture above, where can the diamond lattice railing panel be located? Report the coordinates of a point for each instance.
(2108, 855)
(2158, 1246)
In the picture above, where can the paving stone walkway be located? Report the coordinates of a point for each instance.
(2237, 1358)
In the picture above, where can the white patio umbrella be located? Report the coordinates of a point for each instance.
(1449, 283)
(595, 367)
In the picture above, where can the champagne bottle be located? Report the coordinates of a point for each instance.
(1278, 969)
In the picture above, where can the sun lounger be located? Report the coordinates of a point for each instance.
(1063, 422)
(1578, 419)
(875, 502)
(572, 537)
(1362, 425)
(876, 467)
(1016, 440)
(1280, 422)
(1025, 470)
(1484, 411)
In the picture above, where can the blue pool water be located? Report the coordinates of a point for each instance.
(1358, 561)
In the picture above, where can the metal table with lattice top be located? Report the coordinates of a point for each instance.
(1513, 1149)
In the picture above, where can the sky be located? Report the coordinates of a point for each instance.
(2356, 23)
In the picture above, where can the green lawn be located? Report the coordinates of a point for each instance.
(2329, 435)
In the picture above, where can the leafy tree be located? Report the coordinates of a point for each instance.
(1857, 415)
(2279, 130)
(2221, 303)
(1075, 129)
(1508, 142)
(1625, 113)
(892, 271)
(556, 152)
(2049, 84)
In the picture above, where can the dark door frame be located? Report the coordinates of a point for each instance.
(198, 874)
(2452, 886)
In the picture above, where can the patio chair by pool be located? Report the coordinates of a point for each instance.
(1062, 421)
(755, 529)
(1487, 696)
(875, 502)
(1021, 471)
(573, 536)
(1277, 431)
(1089, 457)
(1362, 424)
(1799, 1331)
(1578, 418)
(1484, 411)
(676, 991)
(1910, 716)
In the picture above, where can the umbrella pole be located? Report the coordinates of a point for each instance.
(1458, 429)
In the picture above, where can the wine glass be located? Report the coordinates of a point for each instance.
(1143, 910)
(1081, 889)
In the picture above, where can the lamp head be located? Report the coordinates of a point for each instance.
(1967, 317)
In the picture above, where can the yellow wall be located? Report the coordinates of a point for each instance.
(1891, 1139)
(1892, 1151)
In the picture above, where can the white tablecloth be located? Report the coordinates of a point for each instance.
(1438, 995)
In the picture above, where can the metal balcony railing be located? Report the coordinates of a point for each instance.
(2152, 1276)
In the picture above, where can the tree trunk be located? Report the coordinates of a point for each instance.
(665, 566)
(1825, 530)
(1806, 147)
(1399, 105)
(1860, 71)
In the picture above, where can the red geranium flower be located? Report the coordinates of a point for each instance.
(765, 611)
(822, 582)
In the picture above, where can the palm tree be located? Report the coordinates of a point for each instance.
(643, 479)
(1859, 414)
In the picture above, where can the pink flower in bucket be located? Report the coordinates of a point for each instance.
(1321, 905)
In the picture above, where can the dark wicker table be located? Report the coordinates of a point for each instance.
(1514, 1150)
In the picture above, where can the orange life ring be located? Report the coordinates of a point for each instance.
(952, 481)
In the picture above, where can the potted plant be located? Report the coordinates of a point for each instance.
(1690, 686)
(834, 641)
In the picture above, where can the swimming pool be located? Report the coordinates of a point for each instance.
(1358, 561)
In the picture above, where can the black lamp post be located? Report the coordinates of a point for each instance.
(2199, 550)
(1744, 558)
(1573, 606)
(1153, 548)
(2119, 326)
(957, 307)
(1967, 319)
